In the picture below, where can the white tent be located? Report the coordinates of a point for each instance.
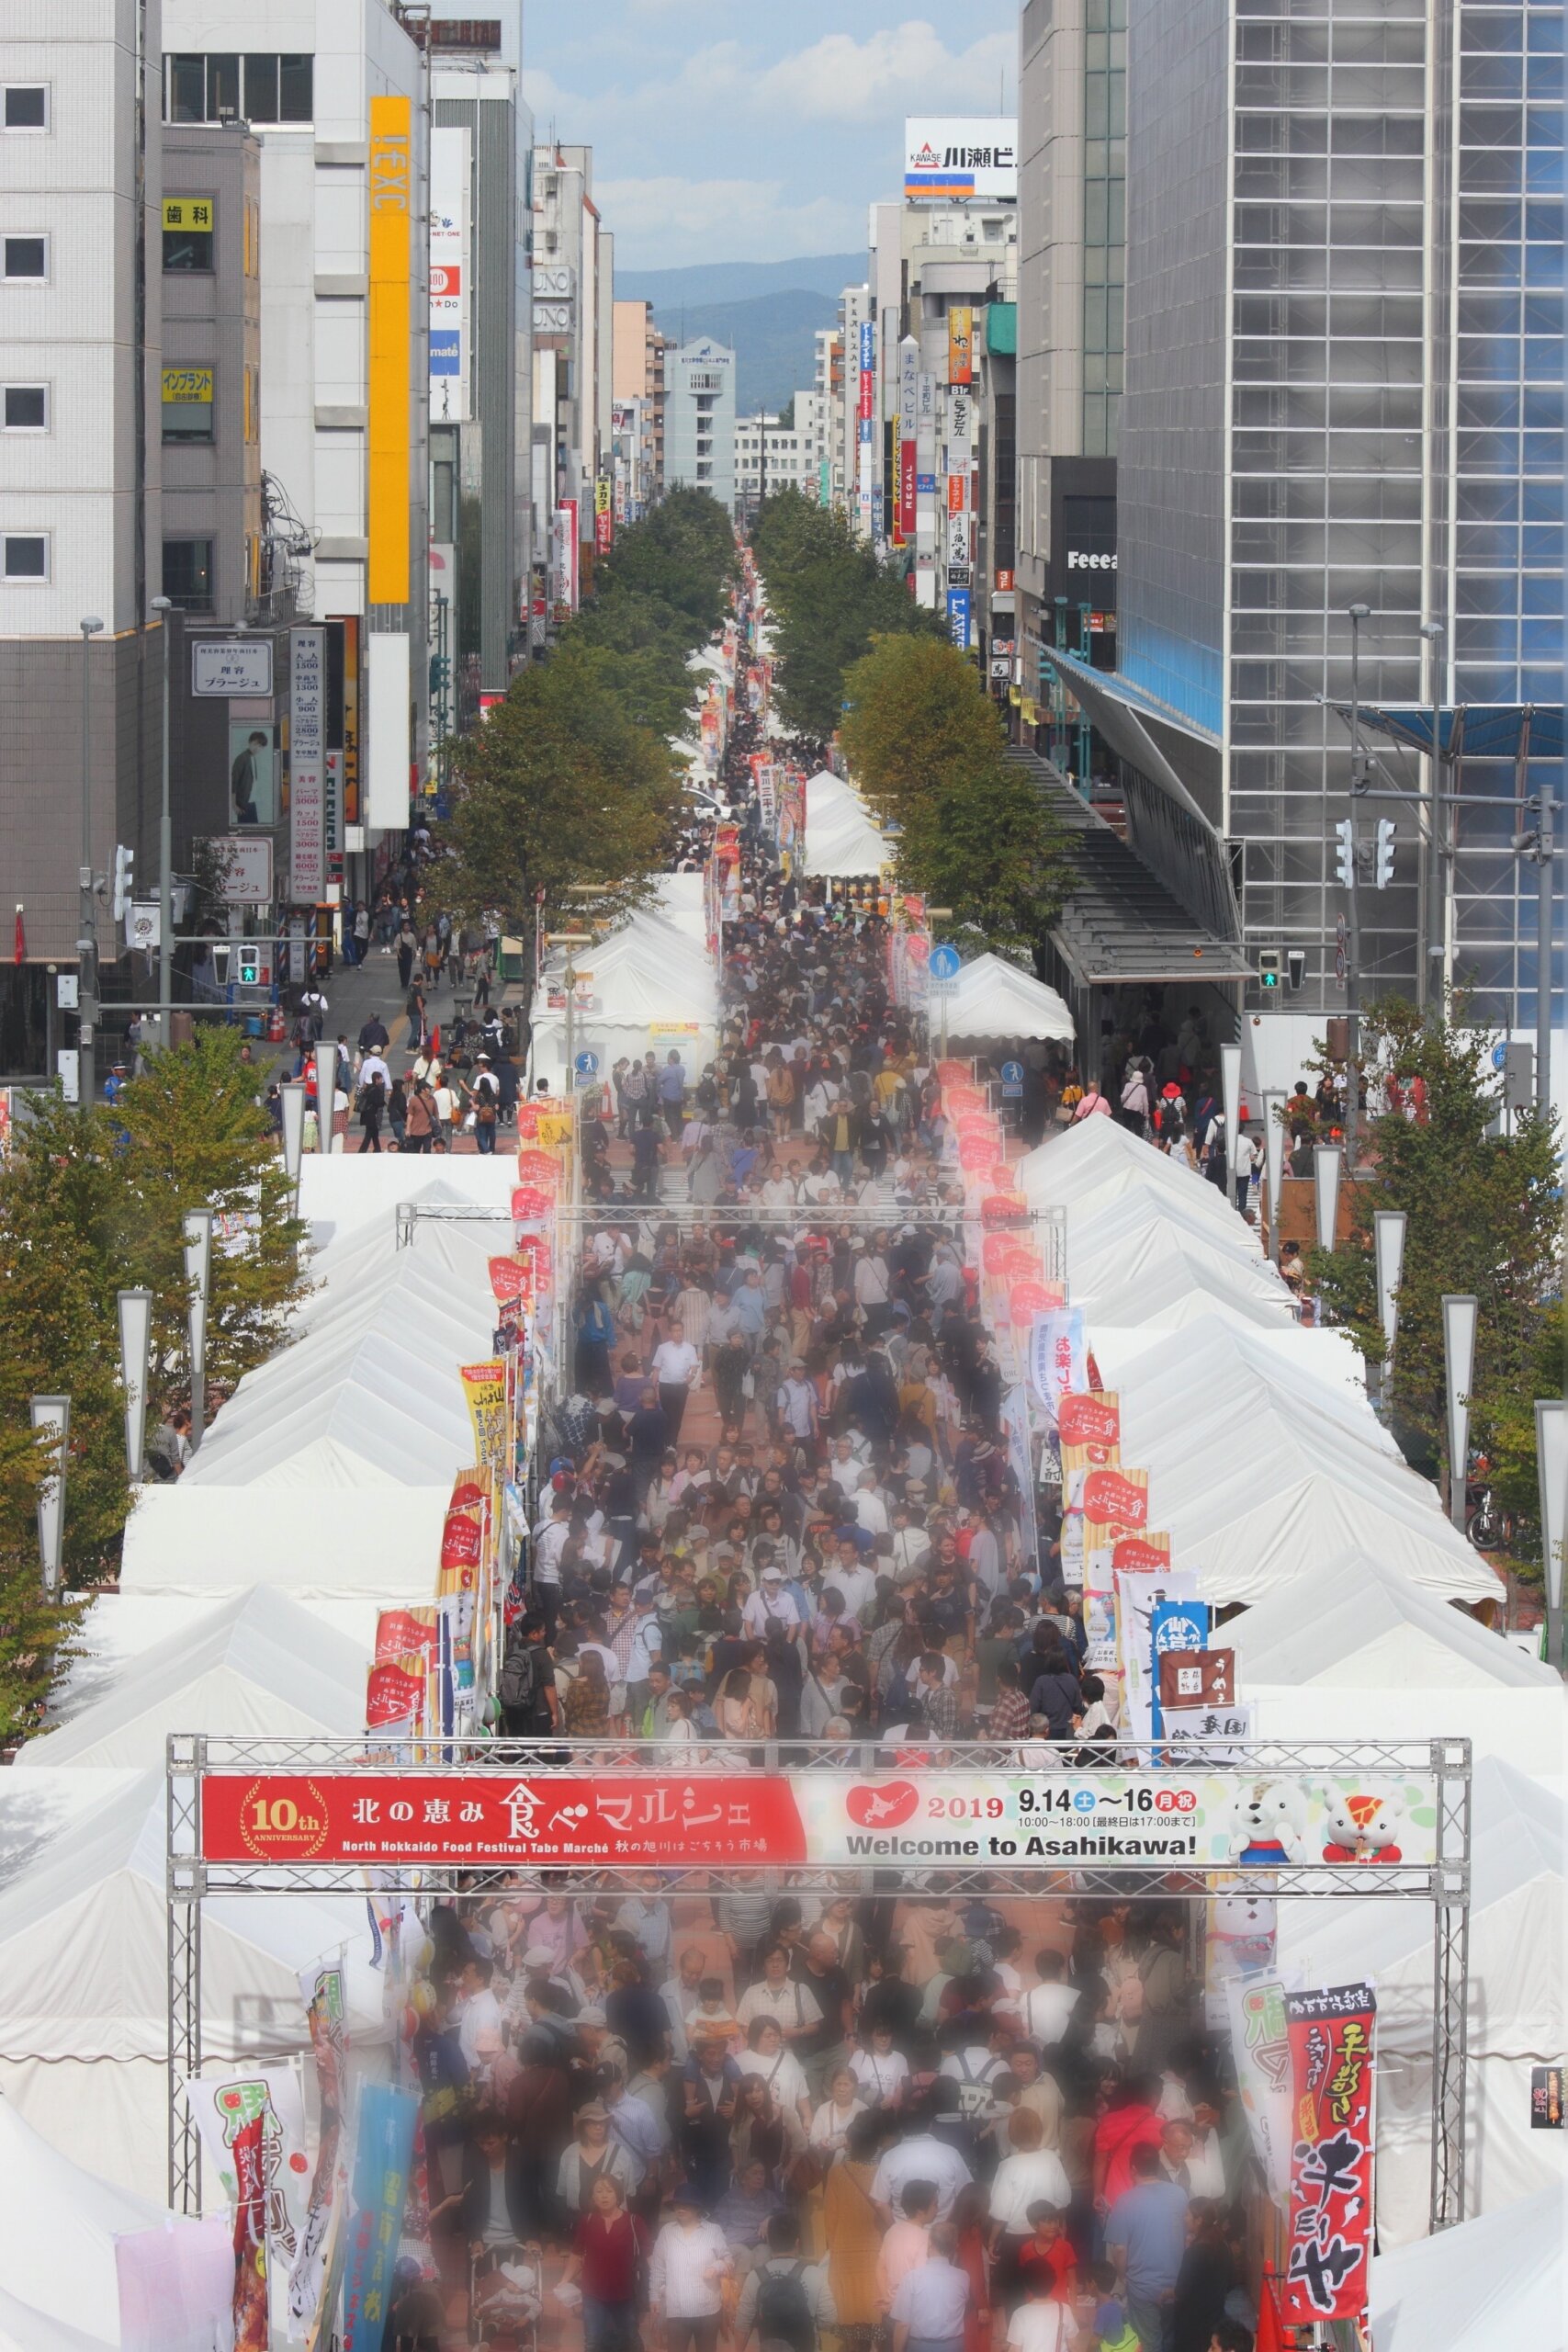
(339, 1546)
(118, 1629)
(1152, 1258)
(1517, 1955)
(1083, 1168)
(1354, 1653)
(841, 836)
(679, 899)
(83, 2021)
(993, 998)
(258, 1663)
(58, 2225)
(1491, 2285)
(343, 1193)
(1262, 1472)
(650, 987)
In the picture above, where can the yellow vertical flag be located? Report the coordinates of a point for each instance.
(391, 229)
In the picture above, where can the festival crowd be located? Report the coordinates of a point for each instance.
(779, 1507)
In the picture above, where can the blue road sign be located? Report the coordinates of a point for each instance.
(587, 1065)
(1013, 1078)
(945, 964)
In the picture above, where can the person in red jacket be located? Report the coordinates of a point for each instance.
(609, 2263)
(1129, 2122)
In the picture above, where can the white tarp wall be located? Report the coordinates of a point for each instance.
(1517, 1955)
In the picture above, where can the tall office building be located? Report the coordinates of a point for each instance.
(1344, 332)
(573, 362)
(334, 92)
(699, 419)
(81, 468)
(1071, 226)
(481, 345)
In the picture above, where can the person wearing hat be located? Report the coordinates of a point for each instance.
(770, 1608)
(594, 2153)
(710, 2089)
(686, 2278)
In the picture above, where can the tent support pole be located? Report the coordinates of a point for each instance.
(185, 1878)
(1451, 1975)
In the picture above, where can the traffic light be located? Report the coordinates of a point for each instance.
(1268, 967)
(1296, 967)
(124, 881)
(1383, 869)
(250, 967)
(1345, 854)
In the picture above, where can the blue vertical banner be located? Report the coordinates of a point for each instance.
(958, 618)
(1173, 1625)
(382, 2165)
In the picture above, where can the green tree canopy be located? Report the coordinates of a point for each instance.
(829, 598)
(1483, 1214)
(925, 745)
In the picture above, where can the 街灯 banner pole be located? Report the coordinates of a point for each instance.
(198, 1275)
(326, 1094)
(135, 1347)
(291, 1096)
(1460, 1314)
(1327, 1161)
(1274, 1162)
(1551, 1473)
(51, 1416)
(1388, 1255)
(1230, 1095)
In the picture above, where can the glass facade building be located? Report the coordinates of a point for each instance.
(1345, 387)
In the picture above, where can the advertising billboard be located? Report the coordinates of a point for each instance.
(449, 267)
(961, 159)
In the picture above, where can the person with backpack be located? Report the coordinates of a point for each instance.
(786, 2301)
(525, 1689)
(484, 1094)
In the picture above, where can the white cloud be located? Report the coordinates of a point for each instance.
(902, 67)
(663, 223)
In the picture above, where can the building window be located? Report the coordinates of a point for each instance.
(27, 556)
(27, 105)
(25, 408)
(27, 257)
(187, 575)
(189, 222)
(274, 86)
(187, 403)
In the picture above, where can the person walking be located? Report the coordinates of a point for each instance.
(676, 1364)
(673, 1094)
(372, 1107)
(485, 1096)
(407, 945)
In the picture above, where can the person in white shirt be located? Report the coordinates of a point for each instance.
(856, 1584)
(766, 2054)
(796, 1402)
(679, 1996)
(844, 1466)
(1040, 2324)
(676, 1364)
(830, 2124)
(1030, 2173)
(919, 2157)
(870, 1509)
(931, 2305)
(686, 2274)
(880, 2070)
(792, 2005)
(770, 1606)
(1048, 2007)
(479, 2029)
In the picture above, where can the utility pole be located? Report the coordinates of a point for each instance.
(1431, 926)
(164, 609)
(1359, 612)
(88, 945)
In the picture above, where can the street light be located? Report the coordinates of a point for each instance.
(1431, 926)
(86, 946)
(1359, 612)
(163, 607)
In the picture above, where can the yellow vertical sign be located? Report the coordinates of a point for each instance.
(391, 224)
(959, 345)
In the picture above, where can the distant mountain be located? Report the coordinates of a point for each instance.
(771, 336)
(738, 281)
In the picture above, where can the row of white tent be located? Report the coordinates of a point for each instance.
(650, 985)
(1277, 1482)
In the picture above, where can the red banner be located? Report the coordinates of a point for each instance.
(906, 470)
(1089, 1421)
(1113, 1499)
(461, 1540)
(1328, 2269)
(474, 1817)
(391, 1696)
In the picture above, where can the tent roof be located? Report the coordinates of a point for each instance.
(83, 1928)
(1098, 1159)
(340, 1529)
(58, 2225)
(1145, 1228)
(646, 972)
(1169, 1278)
(1230, 1363)
(678, 901)
(1495, 2281)
(1355, 1623)
(118, 1630)
(994, 999)
(346, 1193)
(841, 836)
(257, 1662)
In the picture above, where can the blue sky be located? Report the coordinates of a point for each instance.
(726, 133)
